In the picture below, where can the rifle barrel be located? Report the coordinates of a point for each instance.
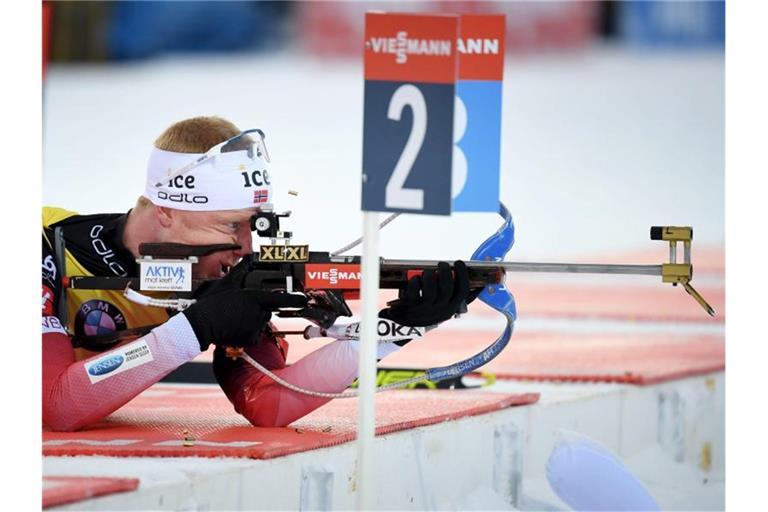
(511, 266)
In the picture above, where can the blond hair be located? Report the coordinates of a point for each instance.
(194, 135)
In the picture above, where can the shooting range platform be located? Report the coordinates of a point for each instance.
(436, 449)
(651, 391)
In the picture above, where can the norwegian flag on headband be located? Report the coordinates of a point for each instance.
(260, 196)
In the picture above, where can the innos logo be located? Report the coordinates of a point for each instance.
(402, 46)
(107, 365)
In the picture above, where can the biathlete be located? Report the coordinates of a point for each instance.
(195, 194)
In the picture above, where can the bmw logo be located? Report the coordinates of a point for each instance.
(98, 317)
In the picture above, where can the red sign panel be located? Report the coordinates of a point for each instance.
(345, 276)
(47, 14)
(411, 48)
(481, 47)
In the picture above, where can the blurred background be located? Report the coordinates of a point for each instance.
(613, 114)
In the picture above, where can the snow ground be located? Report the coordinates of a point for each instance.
(597, 145)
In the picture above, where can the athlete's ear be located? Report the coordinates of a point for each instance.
(164, 216)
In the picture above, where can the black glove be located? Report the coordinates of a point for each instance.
(236, 317)
(430, 299)
(234, 280)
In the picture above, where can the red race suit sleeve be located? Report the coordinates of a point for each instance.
(79, 393)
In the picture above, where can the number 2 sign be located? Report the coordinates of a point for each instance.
(410, 78)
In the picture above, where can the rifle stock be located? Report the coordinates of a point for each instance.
(327, 281)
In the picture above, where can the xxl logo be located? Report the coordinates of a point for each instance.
(97, 317)
(284, 253)
(106, 365)
(325, 275)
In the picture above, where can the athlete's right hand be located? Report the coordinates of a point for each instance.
(234, 280)
(236, 317)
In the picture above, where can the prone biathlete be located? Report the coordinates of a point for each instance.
(194, 194)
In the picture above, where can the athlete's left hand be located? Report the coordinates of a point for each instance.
(432, 297)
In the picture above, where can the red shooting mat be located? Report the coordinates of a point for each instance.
(638, 303)
(58, 490)
(607, 357)
(156, 423)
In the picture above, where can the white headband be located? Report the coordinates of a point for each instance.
(228, 181)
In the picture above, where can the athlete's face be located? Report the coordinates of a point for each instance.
(218, 227)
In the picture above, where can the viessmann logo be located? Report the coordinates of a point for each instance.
(325, 275)
(401, 46)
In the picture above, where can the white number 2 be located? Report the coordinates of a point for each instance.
(396, 195)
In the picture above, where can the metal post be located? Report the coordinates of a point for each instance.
(366, 420)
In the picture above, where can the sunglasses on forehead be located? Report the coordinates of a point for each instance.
(254, 147)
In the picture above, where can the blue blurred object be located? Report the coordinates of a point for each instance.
(672, 23)
(144, 29)
(588, 477)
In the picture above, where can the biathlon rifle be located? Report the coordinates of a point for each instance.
(329, 279)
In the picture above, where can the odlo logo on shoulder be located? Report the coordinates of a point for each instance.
(104, 366)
